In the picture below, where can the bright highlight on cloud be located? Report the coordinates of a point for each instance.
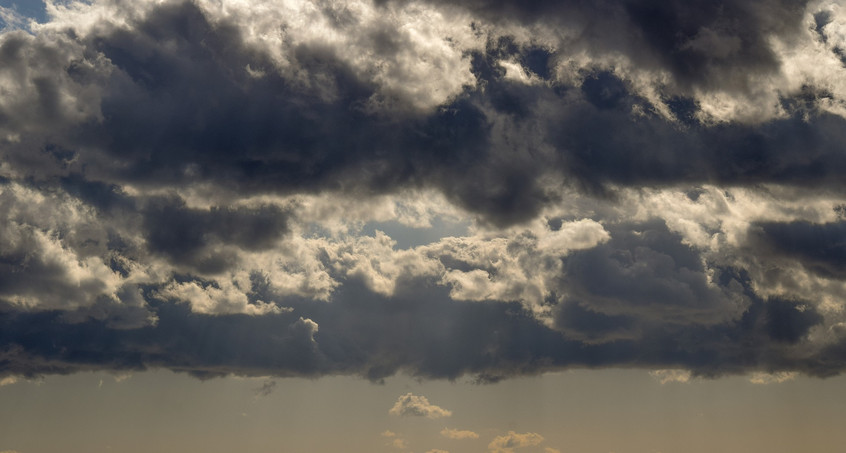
(772, 378)
(417, 406)
(667, 376)
(440, 189)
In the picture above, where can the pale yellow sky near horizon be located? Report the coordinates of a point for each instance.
(584, 411)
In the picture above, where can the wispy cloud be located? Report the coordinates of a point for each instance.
(666, 376)
(772, 378)
(458, 434)
(266, 388)
(511, 441)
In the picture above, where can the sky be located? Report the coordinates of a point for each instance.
(424, 226)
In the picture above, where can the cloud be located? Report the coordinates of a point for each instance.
(511, 441)
(484, 188)
(395, 440)
(817, 246)
(666, 376)
(266, 388)
(399, 443)
(11, 18)
(122, 377)
(418, 406)
(772, 378)
(450, 433)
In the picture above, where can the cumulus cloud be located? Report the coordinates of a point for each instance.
(511, 441)
(418, 406)
(451, 433)
(493, 188)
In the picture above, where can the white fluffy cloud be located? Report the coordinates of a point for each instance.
(418, 406)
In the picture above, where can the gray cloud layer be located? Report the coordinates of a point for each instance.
(647, 184)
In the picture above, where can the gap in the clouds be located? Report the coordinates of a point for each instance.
(33, 9)
(408, 237)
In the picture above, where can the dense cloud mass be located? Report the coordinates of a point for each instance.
(442, 189)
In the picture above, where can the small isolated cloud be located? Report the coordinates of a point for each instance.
(266, 388)
(8, 380)
(410, 404)
(512, 440)
(394, 440)
(665, 376)
(762, 378)
(458, 434)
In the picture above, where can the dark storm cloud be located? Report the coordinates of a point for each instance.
(192, 237)
(819, 247)
(196, 113)
(643, 281)
(419, 331)
(701, 43)
(176, 99)
(599, 142)
(266, 134)
(646, 271)
(587, 324)
(180, 107)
